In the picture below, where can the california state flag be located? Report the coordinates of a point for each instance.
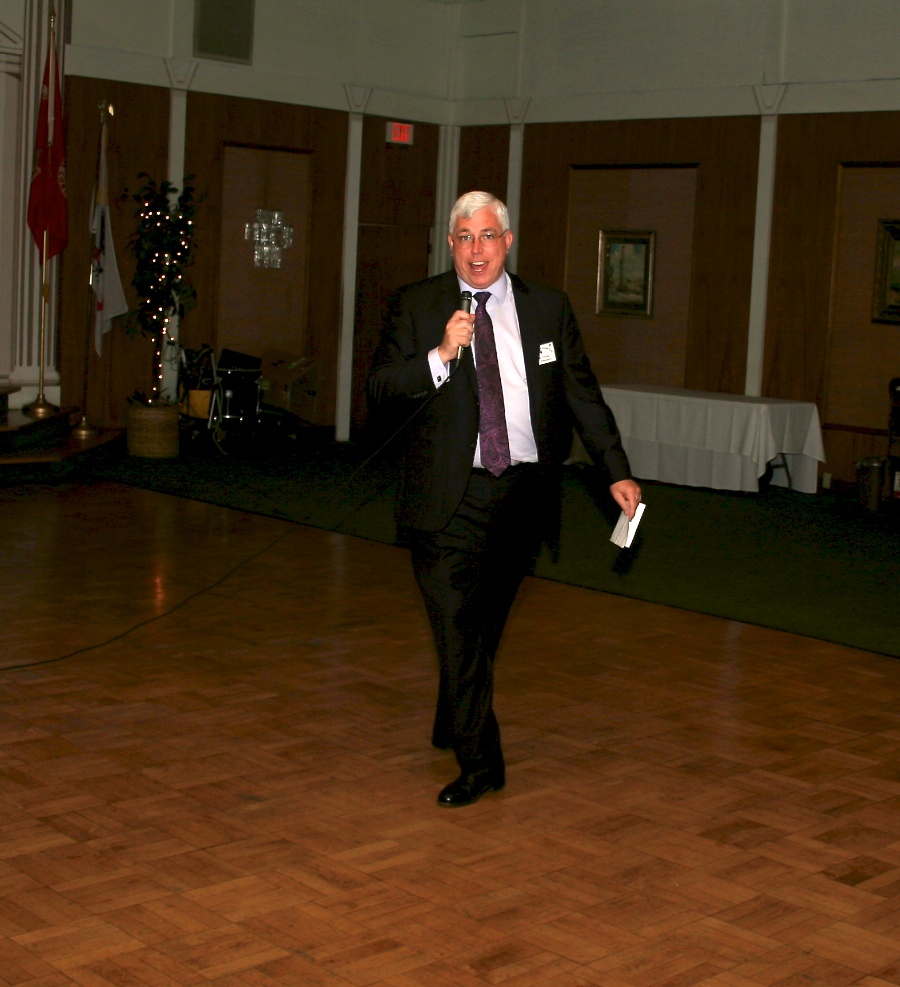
(109, 298)
(48, 209)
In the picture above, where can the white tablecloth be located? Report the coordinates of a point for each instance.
(723, 441)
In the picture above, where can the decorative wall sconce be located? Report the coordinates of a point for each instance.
(270, 237)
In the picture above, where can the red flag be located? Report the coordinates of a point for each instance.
(48, 209)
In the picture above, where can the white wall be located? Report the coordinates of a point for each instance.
(12, 15)
(303, 52)
(448, 62)
(475, 61)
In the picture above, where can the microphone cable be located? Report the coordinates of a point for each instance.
(466, 306)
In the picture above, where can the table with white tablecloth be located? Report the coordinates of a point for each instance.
(722, 441)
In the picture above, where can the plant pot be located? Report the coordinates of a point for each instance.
(153, 430)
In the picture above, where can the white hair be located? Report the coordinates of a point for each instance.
(468, 204)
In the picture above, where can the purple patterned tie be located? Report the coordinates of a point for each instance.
(492, 428)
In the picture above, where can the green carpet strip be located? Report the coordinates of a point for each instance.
(820, 566)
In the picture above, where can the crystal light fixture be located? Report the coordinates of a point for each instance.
(270, 237)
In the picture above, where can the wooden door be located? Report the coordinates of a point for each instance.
(263, 308)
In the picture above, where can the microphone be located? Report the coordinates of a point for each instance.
(465, 303)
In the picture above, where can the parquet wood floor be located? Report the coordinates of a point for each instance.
(215, 770)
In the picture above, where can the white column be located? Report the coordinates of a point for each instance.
(357, 97)
(447, 182)
(769, 98)
(181, 73)
(25, 371)
(10, 109)
(516, 109)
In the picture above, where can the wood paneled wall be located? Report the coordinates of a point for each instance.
(484, 160)
(216, 121)
(137, 142)
(799, 357)
(399, 192)
(398, 181)
(863, 355)
(725, 152)
(811, 149)
(628, 348)
(396, 214)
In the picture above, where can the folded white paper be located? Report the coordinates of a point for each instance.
(623, 533)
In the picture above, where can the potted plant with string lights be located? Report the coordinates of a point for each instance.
(163, 245)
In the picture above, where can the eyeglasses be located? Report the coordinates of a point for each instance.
(467, 239)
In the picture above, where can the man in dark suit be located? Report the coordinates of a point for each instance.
(493, 397)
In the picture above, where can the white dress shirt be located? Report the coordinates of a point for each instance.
(501, 307)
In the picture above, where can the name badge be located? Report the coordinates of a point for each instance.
(547, 354)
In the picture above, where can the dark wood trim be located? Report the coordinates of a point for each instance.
(856, 429)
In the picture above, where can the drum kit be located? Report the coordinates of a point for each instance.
(233, 383)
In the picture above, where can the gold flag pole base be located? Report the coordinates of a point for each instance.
(40, 408)
(83, 430)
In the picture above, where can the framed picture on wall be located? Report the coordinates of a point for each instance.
(625, 272)
(886, 291)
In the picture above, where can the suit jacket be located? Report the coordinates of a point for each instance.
(439, 441)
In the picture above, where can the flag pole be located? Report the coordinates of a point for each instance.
(41, 407)
(83, 429)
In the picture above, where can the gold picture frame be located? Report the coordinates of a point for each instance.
(886, 290)
(625, 272)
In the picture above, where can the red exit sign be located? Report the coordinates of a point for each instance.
(399, 133)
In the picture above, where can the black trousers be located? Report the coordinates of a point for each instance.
(468, 574)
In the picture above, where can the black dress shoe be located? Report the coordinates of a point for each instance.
(442, 743)
(468, 788)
